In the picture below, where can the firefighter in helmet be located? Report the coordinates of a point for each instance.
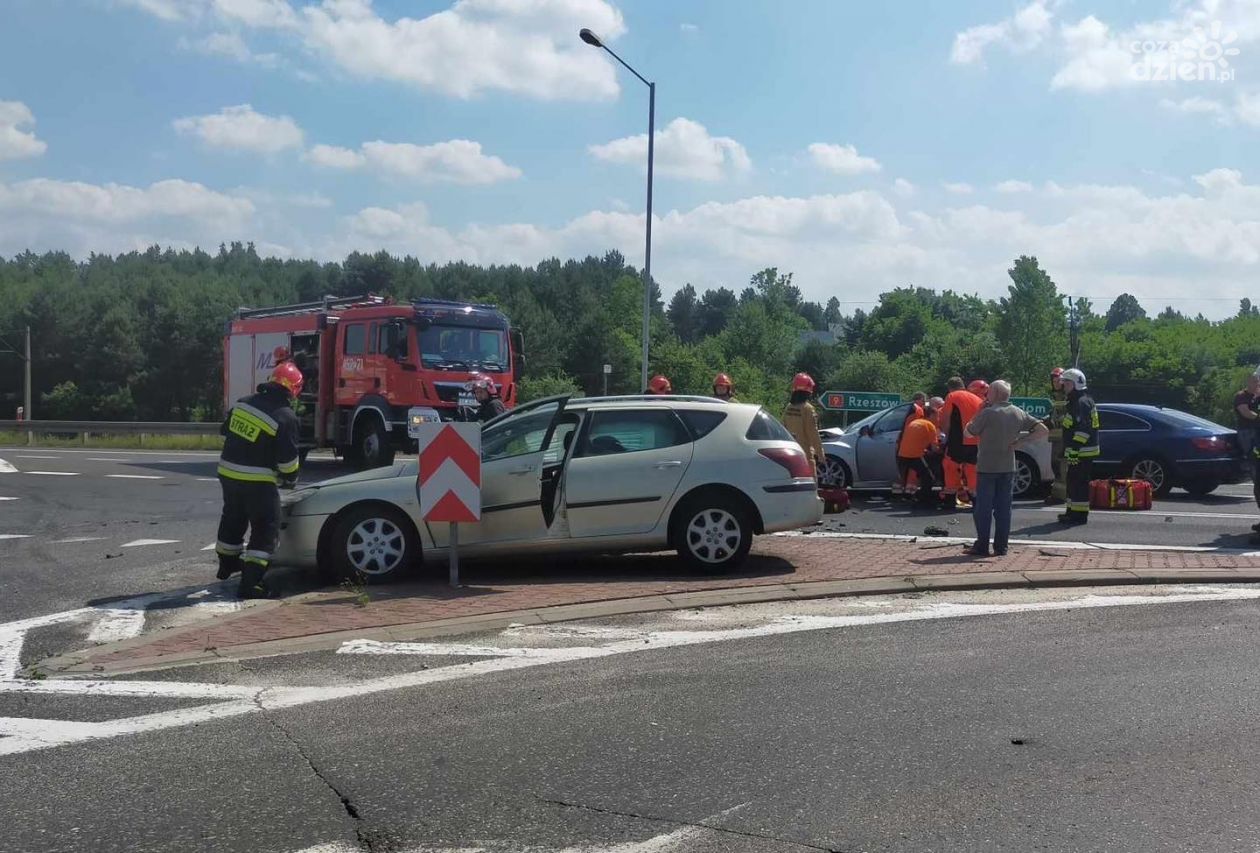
(724, 388)
(1080, 445)
(260, 454)
(659, 384)
(802, 421)
(486, 391)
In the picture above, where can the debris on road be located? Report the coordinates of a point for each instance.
(935, 530)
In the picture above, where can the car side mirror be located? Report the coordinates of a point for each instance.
(865, 432)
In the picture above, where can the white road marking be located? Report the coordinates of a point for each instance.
(145, 453)
(207, 479)
(114, 625)
(28, 735)
(36, 457)
(8, 499)
(209, 547)
(136, 476)
(7, 468)
(73, 539)
(1068, 545)
(15, 536)
(140, 543)
(54, 473)
(107, 459)
(372, 647)
(141, 689)
(1159, 514)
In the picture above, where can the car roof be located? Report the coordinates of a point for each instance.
(673, 401)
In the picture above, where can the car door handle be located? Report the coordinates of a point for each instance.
(517, 472)
(673, 463)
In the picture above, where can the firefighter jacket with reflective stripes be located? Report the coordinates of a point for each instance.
(1080, 427)
(260, 438)
(802, 421)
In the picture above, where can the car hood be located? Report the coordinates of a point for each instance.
(386, 473)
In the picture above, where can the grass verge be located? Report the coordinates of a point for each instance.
(116, 442)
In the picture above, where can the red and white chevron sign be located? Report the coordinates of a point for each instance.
(449, 481)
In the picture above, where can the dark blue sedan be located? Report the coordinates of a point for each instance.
(1166, 448)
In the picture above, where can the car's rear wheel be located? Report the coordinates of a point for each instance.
(713, 532)
(372, 544)
(1154, 471)
(833, 473)
(1026, 479)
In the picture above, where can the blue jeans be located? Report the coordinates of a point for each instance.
(992, 506)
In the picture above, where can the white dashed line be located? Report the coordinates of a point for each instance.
(140, 543)
(208, 548)
(136, 476)
(77, 539)
(36, 457)
(103, 459)
(7, 499)
(15, 536)
(54, 473)
(207, 479)
(6, 468)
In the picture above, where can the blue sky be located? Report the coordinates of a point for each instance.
(862, 146)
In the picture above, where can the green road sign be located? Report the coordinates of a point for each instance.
(858, 401)
(1038, 407)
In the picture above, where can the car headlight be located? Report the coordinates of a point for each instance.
(418, 415)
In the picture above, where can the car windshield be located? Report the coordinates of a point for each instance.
(464, 348)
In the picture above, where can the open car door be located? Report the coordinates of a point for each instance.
(516, 449)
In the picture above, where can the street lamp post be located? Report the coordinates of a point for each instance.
(595, 41)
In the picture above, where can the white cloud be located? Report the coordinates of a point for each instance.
(231, 46)
(240, 128)
(688, 28)
(118, 203)
(335, 157)
(258, 13)
(1097, 59)
(166, 10)
(1011, 187)
(903, 188)
(958, 188)
(1247, 108)
(16, 143)
(842, 159)
(1025, 30)
(458, 161)
(1197, 106)
(526, 48)
(684, 149)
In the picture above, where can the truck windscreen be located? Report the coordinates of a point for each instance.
(464, 348)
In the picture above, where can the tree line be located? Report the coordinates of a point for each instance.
(139, 335)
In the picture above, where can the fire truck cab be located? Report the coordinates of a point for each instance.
(367, 361)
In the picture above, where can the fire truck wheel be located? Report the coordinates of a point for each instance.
(372, 448)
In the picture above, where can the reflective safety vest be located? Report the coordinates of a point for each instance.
(1080, 427)
(260, 438)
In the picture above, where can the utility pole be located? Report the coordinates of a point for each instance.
(1074, 331)
(26, 395)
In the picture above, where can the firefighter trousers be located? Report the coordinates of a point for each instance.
(248, 506)
(1078, 476)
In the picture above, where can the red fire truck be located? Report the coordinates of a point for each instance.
(367, 360)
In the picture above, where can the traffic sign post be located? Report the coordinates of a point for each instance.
(448, 484)
(858, 401)
(1038, 407)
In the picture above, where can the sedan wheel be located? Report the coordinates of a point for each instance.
(1154, 472)
(373, 544)
(712, 534)
(1024, 478)
(832, 474)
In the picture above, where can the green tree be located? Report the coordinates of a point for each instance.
(1031, 326)
(1126, 309)
(683, 313)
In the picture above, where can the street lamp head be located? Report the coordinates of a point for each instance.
(590, 38)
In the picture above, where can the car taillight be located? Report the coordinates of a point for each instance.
(791, 458)
(1211, 442)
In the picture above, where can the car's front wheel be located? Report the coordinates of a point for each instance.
(1154, 471)
(373, 544)
(833, 473)
(713, 532)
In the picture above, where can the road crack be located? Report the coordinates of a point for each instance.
(371, 840)
(686, 823)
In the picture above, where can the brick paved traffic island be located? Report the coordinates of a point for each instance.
(780, 568)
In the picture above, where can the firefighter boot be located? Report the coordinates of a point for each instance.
(252, 583)
(229, 564)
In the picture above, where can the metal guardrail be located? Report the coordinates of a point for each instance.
(86, 428)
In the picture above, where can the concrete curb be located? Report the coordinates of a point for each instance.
(79, 663)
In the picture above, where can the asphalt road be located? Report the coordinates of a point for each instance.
(1090, 728)
(1220, 520)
